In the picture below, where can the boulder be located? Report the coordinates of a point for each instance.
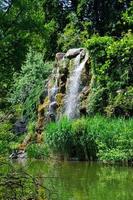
(20, 126)
(18, 154)
(53, 106)
(59, 56)
(71, 53)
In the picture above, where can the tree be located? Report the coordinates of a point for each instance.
(105, 15)
(29, 83)
(21, 26)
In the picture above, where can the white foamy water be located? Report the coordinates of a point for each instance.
(53, 91)
(71, 100)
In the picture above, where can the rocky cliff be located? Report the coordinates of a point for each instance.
(66, 89)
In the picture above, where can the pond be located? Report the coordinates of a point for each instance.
(84, 181)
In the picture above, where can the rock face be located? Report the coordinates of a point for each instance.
(57, 90)
(72, 53)
(20, 127)
(59, 56)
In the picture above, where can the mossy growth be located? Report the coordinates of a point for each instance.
(71, 65)
(44, 105)
(59, 99)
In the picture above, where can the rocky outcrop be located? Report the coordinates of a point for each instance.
(53, 104)
(59, 56)
(72, 53)
(20, 126)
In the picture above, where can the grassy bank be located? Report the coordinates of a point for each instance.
(92, 138)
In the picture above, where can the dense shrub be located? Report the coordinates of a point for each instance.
(29, 84)
(92, 138)
(38, 151)
(75, 33)
(111, 71)
(9, 140)
(116, 142)
(121, 103)
(6, 137)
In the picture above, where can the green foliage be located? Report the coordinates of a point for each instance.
(105, 15)
(119, 60)
(9, 141)
(122, 103)
(50, 44)
(58, 136)
(29, 84)
(84, 139)
(31, 127)
(53, 25)
(105, 29)
(54, 22)
(111, 68)
(116, 141)
(97, 47)
(37, 151)
(96, 100)
(119, 74)
(6, 137)
(21, 26)
(76, 21)
(92, 138)
(73, 36)
(127, 17)
(17, 183)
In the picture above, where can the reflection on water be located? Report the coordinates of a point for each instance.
(85, 181)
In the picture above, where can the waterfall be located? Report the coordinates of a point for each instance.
(71, 100)
(52, 94)
(53, 91)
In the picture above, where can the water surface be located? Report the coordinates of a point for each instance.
(85, 181)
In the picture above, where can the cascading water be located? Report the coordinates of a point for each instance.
(52, 91)
(71, 101)
(51, 94)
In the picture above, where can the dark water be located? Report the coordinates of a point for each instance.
(85, 181)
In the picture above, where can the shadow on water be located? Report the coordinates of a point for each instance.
(83, 180)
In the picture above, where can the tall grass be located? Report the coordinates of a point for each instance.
(92, 138)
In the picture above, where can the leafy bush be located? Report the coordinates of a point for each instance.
(6, 137)
(92, 138)
(122, 103)
(97, 47)
(38, 151)
(111, 71)
(75, 33)
(127, 17)
(116, 143)
(119, 63)
(97, 100)
(29, 84)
